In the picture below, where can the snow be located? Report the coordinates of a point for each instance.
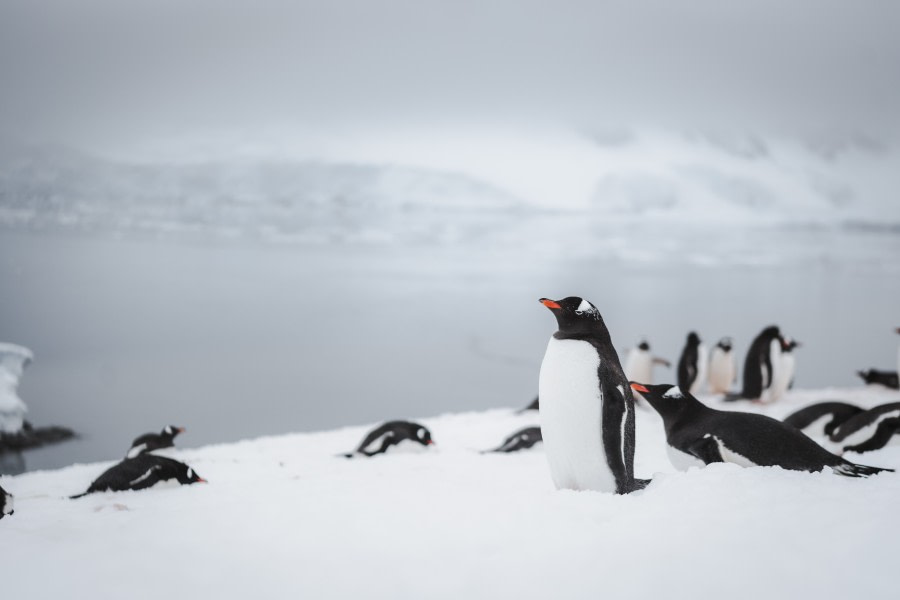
(282, 516)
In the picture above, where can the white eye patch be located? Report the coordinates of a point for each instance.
(585, 306)
(421, 433)
(190, 473)
(675, 392)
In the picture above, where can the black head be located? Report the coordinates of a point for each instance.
(897, 330)
(644, 345)
(423, 436)
(187, 476)
(771, 332)
(788, 344)
(172, 430)
(666, 398)
(575, 315)
(725, 344)
(693, 339)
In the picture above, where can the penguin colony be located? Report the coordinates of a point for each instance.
(587, 408)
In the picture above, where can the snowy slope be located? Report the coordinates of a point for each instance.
(283, 517)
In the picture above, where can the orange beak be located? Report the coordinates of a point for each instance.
(431, 443)
(639, 388)
(201, 480)
(549, 303)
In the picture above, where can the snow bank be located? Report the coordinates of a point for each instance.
(284, 517)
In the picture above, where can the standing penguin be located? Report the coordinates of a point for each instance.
(6, 503)
(783, 369)
(898, 353)
(699, 433)
(587, 410)
(722, 368)
(640, 361)
(757, 376)
(692, 364)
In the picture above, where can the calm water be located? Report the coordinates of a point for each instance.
(236, 340)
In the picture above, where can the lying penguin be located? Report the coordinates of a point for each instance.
(820, 420)
(868, 430)
(154, 441)
(697, 435)
(520, 440)
(888, 379)
(6, 503)
(141, 472)
(390, 434)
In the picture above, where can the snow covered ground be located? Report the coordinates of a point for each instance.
(283, 517)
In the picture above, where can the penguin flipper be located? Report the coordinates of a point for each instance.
(77, 496)
(707, 450)
(661, 361)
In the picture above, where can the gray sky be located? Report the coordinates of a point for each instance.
(163, 67)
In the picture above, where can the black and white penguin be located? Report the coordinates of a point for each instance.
(520, 440)
(722, 367)
(391, 434)
(868, 430)
(764, 351)
(587, 410)
(154, 441)
(695, 432)
(141, 472)
(820, 420)
(535, 405)
(898, 352)
(888, 379)
(784, 367)
(639, 362)
(692, 364)
(6, 503)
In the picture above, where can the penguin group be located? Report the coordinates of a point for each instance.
(587, 408)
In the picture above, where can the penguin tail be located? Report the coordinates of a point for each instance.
(849, 469)
(640, 484)
(77, 496)
(346, 455)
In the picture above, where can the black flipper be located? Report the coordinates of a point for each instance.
(849, 469)
(707, 450)
(619, 450)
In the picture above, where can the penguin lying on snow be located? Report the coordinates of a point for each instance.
(695, 432)
(888, 379)
(820, 420)
(154, 441)
(692, 364)
(520, 440)
(390, 434)
(868, 430)
(587, 410)
(6, 503)
(141, 472)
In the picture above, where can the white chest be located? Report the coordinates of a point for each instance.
(639, 366)
(721, 371)
(571, 417)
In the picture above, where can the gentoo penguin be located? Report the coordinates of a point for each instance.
(820, 420)
(141, 472)
(784, 367)
(587, 410)
(390, 434)
(722, 368)
(898, 352)
(868, 430)
(701, 433)
(888, 379)
(692, 364)
(639, 362)
(6, 503)
(757, 377)
(535, 405)
(154, 441)
(520, 440)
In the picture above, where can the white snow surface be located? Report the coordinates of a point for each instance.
(283, 517)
